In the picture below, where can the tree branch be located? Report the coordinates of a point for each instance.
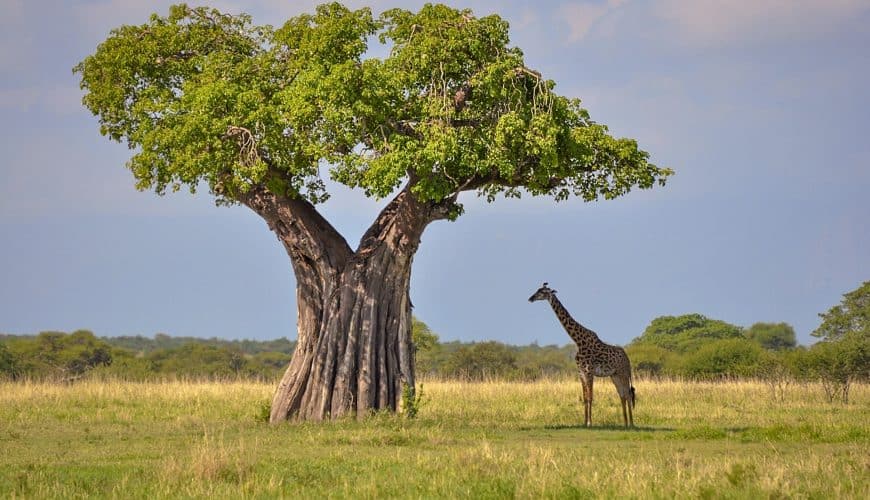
(401, 223)
(316, 249)
(248, 152)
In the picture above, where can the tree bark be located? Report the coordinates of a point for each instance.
(354, 352)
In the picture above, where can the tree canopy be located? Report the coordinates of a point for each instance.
(730, 357)
(210, 98)
(851, 315)
(55, 355)
(772, 336)
(687, 332)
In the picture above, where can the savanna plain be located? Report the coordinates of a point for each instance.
(472, 440)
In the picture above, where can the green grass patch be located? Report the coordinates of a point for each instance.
(485, 440)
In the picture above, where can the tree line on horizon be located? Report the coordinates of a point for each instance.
(689, 346)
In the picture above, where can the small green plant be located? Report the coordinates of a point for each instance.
(264, 411)
(413, 401)
(741, 474)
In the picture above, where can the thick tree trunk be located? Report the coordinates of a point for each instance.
(354, 352)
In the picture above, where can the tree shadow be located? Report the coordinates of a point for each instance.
(737, 430)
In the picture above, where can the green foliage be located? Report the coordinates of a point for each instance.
(772, 336)
(61, 356)
(7, 363)
(264, 411)
(730, 357)
(206, 97)
(651, 360)
(146, 345)
(425, 344)
(412, 400)
(424, 338)
(481, 361)
(843, 355)
(198, 360)
(687, 332)
(534, 361)
(839, 363)
(851, 315)
(698, 353)
(494, 360)
(780, 368)
(274, 360)
(127, 365)
(56, 355)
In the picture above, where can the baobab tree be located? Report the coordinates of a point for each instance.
(257, 115)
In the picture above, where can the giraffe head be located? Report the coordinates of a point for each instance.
(543, 293)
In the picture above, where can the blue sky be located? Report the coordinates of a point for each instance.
(761, 106)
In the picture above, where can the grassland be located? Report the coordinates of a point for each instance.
(489, 440)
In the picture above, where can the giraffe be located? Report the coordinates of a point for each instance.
(594, 359)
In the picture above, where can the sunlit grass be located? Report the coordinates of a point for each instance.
(494, 439)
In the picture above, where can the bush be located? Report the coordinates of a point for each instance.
(7, 363)
(481, 361)
(57, 355)
(773, 336)
(723, 358)
(534, 362)
(839, 363)
(651, 360)
(199, 360)
(779, 369)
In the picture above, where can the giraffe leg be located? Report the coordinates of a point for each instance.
(623, 389)
(589, 401)
(624, 413)
(585, 406)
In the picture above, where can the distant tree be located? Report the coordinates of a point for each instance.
(840, 363)
(276, 360)
(7, 363)
(729, 357)
(282, 345)
(851, 315)
(534, 361)
(199, 360)
(843, 355)
(60, 356)
(651, 360)
(773, 336)
(255, 114)
(424, 338)
(687, 332)
(163, 341)
(481, 361)
(426, 346)
(780, 368)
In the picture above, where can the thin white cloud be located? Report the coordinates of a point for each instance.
(526, 19)
(728, 22)
(582, 16)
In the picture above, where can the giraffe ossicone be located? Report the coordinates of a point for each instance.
(594, 358)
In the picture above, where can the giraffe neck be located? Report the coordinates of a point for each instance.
(578, 333)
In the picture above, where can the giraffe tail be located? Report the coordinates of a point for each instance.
(633, 397)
